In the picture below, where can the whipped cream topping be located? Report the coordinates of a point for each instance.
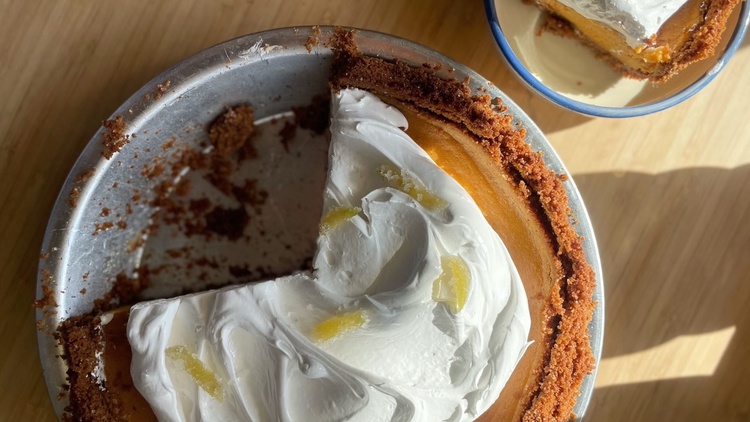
(637, 20)
(414, 312)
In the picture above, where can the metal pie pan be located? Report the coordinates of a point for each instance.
(275, 70)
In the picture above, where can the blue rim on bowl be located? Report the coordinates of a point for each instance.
(606, 111)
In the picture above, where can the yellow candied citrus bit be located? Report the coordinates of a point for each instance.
(338, 325)
(398, 179)
(336, 216)
(453, 284)
(191, 364)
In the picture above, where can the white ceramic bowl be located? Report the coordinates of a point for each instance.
(568, 74)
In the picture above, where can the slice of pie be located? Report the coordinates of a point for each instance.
(643, 40)
(432, 333)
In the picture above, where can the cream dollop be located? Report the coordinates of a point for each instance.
(637, 20)
(415, 311)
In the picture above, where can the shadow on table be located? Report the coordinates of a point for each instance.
(675, 248)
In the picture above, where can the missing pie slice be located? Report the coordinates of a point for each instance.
(352, 325)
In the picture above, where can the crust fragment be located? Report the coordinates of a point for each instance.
(82, 340)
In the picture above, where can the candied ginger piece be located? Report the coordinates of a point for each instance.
(336, 216)
(190, 363)
(337, 325)
(399, 179)
(453, 284)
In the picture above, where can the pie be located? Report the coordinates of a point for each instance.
(643, 42)
(475, 143)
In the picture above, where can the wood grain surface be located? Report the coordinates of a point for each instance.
(669, 194)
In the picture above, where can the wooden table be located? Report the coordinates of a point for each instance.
(669, 194)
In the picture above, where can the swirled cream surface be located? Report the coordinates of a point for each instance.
(414, 311)
(637, 20)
